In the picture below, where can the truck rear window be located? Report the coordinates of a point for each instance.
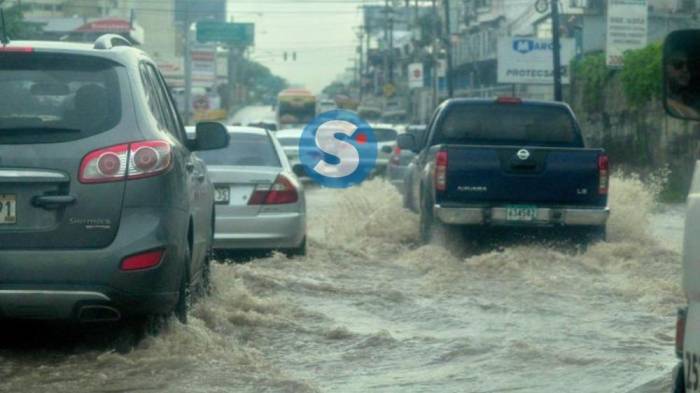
(56, 98)
(535, 125)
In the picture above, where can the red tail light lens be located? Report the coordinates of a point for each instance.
(396, 157)
(104, 165)
(142, 261)
(282, 192)
(603, 174)
(16, 49)
(147, 158)
(441, 171)
(680, 330)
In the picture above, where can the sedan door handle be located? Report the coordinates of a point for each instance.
(53, 201)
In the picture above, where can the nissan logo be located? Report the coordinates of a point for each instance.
(523, 154)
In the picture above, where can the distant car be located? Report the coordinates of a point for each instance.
(386, 142)
(289, 139)
(105, 212)
(326, 106)
(265, 124)
(397, 169)
(260, 203)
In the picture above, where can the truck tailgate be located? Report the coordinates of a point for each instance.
(507, 175)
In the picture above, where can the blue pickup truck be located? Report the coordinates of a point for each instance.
(506, 162)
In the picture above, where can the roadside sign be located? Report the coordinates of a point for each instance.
(530, 60)
(627, 29)
(389, 90)
(203, 65)
(232, 33)
(415, 75)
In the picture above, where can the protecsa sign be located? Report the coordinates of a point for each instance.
(530, 60)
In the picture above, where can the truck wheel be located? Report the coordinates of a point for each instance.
(590, 235)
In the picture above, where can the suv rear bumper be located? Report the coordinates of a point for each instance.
(546, 216)
(60, 284)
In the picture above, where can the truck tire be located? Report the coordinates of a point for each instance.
(587, 236)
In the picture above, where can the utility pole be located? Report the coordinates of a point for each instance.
(188, 64)
(391, 49)
(437, 32)
(556, 50)
(386, 41)
(448, 50)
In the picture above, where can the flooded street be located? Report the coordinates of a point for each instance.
(370, 310)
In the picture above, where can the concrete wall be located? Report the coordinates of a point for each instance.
(642, 139)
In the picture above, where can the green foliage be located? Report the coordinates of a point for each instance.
(592, 73)
(641, 76)
(16, 27)
(260, 81)
(335, 89)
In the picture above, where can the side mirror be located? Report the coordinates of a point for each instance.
(407, 142)
(681, 69)
(211, 136)
(387, 149)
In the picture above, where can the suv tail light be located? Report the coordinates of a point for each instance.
(145, 159)
(145, 260)
(282, 192)
(680, 330)
(603, 174)
(441, 170)
(396, 157)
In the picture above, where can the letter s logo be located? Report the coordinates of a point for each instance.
(338, 149)
(347, 154)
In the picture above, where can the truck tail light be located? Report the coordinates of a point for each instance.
(441, 170)
(396, 157)
(680, 330)
(282, 192)
(509, 100)
(603, 174)
(136, 160)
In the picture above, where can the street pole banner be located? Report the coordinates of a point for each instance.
(415, 75)
(627, 29)
(530, 60)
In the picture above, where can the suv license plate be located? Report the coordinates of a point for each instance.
(521, 213)
(8, 209)
(222, 195)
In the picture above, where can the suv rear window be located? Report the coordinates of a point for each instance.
(496, 124)
(245, 150)
(56, 98)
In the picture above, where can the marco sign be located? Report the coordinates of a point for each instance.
(530, 60)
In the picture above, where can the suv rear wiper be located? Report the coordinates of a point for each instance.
(40, 130)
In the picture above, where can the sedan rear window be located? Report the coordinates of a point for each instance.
(535, 125)
(56, 98)
(244, 150)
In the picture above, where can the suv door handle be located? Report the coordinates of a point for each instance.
(53, 201)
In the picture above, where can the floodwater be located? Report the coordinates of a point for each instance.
(369, 310)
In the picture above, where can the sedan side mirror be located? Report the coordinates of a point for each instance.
(211, 136)
(407, 142)
(681, 68)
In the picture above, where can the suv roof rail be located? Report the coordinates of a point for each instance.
(109, 41)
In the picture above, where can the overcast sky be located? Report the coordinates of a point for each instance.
(323, 33)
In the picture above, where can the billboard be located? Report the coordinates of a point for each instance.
(627, 29)
(530, 60)
(203, 65)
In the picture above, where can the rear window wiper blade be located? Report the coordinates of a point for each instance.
(40, 130)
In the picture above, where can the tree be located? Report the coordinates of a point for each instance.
(16, 26)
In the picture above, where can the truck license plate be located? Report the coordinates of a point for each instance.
(521, 213)
(8, 209)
